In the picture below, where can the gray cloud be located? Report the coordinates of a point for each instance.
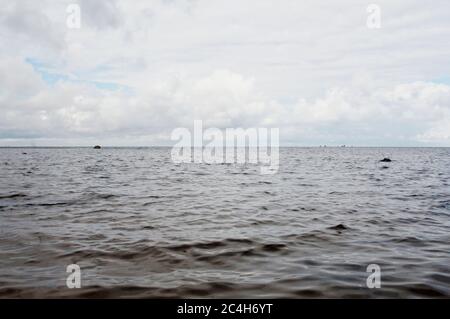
(101, 14)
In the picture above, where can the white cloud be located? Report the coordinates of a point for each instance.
(314, 70)
(439, 133)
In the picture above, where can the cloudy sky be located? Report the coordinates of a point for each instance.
(136, 70)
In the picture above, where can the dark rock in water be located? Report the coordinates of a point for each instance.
(97, 147)
(24, 153)
(338, 227)
(386, 160)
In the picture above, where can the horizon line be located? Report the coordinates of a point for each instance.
(169, 146)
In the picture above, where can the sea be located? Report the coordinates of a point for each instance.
(332, 222)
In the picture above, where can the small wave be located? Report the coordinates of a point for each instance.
(15, 195)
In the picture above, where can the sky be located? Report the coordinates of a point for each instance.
(136, 70)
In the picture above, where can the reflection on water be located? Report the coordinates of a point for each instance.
(140, 226)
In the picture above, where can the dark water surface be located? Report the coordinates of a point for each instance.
(140, 226)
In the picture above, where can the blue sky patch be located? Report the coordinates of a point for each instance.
(51, 77)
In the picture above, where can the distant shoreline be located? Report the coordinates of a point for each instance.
(290, 146)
